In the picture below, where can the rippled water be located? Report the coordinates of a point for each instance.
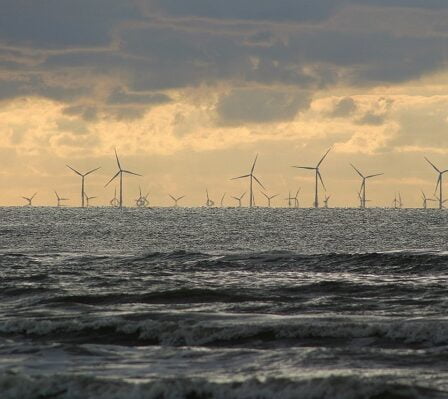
(223, 303)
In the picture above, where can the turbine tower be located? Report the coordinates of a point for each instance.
(239, 199)
(443, 202)
(269, 197)
(400, 202)
(208, 203)
(425, 200)
(59, 199)
(176, 200)
(120, 173)
(251, 177)
(114, 201)
(318, 177)
(362, 191)
(29, 199)
(83, 175)
(88, 199)
(289, 199)
(439, 182)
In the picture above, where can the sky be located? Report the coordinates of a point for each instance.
(189, 91)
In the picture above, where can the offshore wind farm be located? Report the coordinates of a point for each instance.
(235, 199)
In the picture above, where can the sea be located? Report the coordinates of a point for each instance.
(203, 303)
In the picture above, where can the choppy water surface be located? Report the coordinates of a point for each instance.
(223, 303)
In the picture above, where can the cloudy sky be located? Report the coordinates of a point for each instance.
(188, 91)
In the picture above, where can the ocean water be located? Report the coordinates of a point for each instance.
(223, 303)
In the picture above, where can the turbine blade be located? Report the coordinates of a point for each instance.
(183, 196)
(174, 199)
(432, 165)
(239, 177)
(74, 170)
(322, 159)
(321, 181)
(259, 182)
(264, 194)
(359, 173)
(253, 166)
(118, 161)
(130, 173)
(377, 174)
(91, 171)
(242, 195)
(112, 178)
(438, 182)
(273, 196)
(33, 196)
(303, 167)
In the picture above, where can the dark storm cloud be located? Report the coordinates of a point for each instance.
(344, 107)
(260, 105)
(149, 46)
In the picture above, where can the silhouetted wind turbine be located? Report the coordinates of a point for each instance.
(437, 198)
(59, 199)
(439, 182)
(318, 177)
(176, 200)
(239, 199)
(30, 199)
(296, 198)
(114, 201)
(289, 199)
(269, 197)
(209, 202)
(251, 177)
(362, 191)
(222, 199)
(88, 199)
(120, 173)
(327, 197)
(425, 200)
(400, 202)
(141, 200)
(83, 175)
(395, 202)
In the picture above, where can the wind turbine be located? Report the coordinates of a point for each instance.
(443, 207)
(289, 199)
(141, 201)
(327, 197)
(296, 198)
(114, 201)
(252, 177)
(362, 191)
(318, 177)
(83, 175)
(30, 199)
(120, 173)
(439, 182)
(222, 200)
(395, 202)
(425, 200)
(88, 199)
(239, 199)
(269, 197)
(59, 199)
(209, 202)
(176, 199)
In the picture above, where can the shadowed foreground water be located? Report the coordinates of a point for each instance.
(223, 303)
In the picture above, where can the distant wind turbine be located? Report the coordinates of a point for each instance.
(426, 199)
(395, 202)
(318, 177)
(296, 198)
(222, 199)
(289, 199)
(400, 202)
(439, 182)
(251, 177)
(88, 199)
(29, 199)
(443, 202)
(83, 175)
(239, 199)
(208, 202)
(327, 197)
(269, 197)
(176, 200)
(363, 185)
(120, 173)
(114, 201)
(59, 199)
(141, 201)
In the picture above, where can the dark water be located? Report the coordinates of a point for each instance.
(223, 303)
